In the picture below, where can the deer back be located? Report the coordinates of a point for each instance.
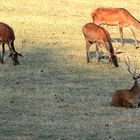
(114, 16)
(6, 33)
(94, 33)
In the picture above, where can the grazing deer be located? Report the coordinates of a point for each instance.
(131, 97)
(116, 17)
(7, 37)
(100, 36)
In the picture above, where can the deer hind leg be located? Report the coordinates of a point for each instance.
(97, 53)
(130, 103)
(136, 42)
(88, 44)
(121, 35)
(3, 51)
(127, 103)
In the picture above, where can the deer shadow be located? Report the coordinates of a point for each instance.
(101, 55)
(126, 40)
(104, 58)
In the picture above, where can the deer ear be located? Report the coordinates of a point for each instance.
(10, 55)
(118, 50)
(20, 54)
(135, 77)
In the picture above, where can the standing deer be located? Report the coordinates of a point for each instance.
(131, 97)
(116, 17)
(7, 37)
(100, 36)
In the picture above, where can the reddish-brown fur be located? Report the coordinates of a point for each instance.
(100, 36)
(127, 98)
(7, 37)
(115, 17)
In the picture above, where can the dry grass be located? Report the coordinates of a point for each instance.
(54, 94)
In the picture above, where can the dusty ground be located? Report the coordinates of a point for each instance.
(54, 94)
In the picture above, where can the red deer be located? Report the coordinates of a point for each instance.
(7, 37)
(100, 36)
(116, 17)
(131, 97)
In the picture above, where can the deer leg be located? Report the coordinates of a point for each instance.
(130, 103)
(127, 103)
(136, 42)
(3, 51)
(88, 44)
(13, 53)
(11, 46)
(121, 35)
(135, 105)
(136, 102)
(107, 46)
(97, 53)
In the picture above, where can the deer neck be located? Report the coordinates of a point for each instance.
(135, 88)
(133, 21)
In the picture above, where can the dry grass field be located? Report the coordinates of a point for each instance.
(53, 94)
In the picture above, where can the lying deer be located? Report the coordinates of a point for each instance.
(116, 17)
(7, 37)
(100, 36)
(131, 97)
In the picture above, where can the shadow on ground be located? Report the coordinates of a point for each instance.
(126, 40)
(53, 94)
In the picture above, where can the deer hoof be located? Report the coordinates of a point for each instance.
(2, 62)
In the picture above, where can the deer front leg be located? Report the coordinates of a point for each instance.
(136, 102)
(132, 103)
(87, 50)
(3, 51)
(135, 105)
(97, 53)
(136, 42)
(127, 102)
(121, 35)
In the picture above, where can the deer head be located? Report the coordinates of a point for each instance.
(136, 76)
(14, 57)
